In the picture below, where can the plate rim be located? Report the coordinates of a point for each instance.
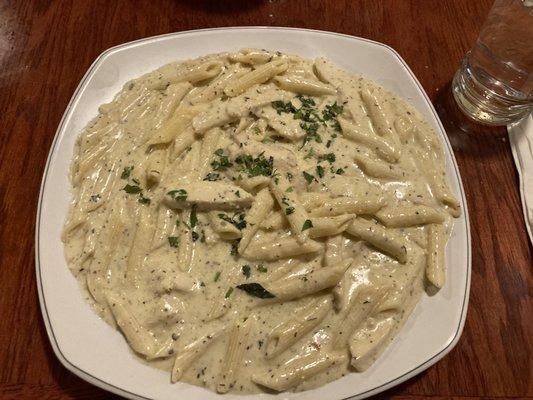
(123, 392)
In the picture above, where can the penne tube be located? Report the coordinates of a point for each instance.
(275, 221)
(361, 306)
(302, 322)
(381, 146)
(330, 226)
(173, 127)
(186, 244)
(412, 215)
(305, 86)
(207, 195)
(252, 56)
(334, 250)
(259, 75)
(170, 74)
(366, 344)
(290, 205)
(233, 358)
(155, 166)
(435, 269)
(381, 238)
(224, 229)
(298, 370)
(279, 249)
(141, 243)
(349, 205)
(375, 111)
(261, 207)
(216, 88)
(378, 169)
(188, 354)
(141, 340)
(298, 286)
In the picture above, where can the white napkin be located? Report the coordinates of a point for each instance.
(521, 139)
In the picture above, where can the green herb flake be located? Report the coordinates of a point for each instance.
(194, 217)
(289, 210)
(329, 157)
(246, 271)
(262, 268)
(283, 107)
(228, 293)
(173, 241)
(126, 172)
(340, 171)
(217, 276)
(307, 224)
(132, 189)
(178, 194)
(308, 177)
(257, 166)
(290, 189)
(143, 200)
(320, 171)
(256, 290)
(222, 163)
(212, 176)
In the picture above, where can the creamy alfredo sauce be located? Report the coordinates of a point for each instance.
(257, 221)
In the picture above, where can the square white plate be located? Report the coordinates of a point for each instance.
(97, 353)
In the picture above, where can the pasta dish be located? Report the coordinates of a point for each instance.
(256, 221)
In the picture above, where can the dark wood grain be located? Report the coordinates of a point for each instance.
(45, 48)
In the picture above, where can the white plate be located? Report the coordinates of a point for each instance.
(97, 353)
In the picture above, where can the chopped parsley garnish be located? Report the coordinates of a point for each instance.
(256, 290)
(283, 107)
(178, 194)
(228, 293)
(193, 220)
(95, 198)
(237, 220)
(195, 236)
(307, 225)
(212, 176)
(289, 210)
(173, 241)
(308, 177)
(126, 172)
(309, 154)
(331, 111)
(222, 163)
(217, 276)
(132, 189)
(290, 189)
(257, 166)
(143, 200)
(235, 247)
(329, 157)
(285, 201)
(320, 171)
(339, 171)
(262, 268)
(246, 271)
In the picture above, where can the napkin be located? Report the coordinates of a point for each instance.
(521, 139)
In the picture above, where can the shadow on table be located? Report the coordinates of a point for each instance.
(466, 135)
(222, 7)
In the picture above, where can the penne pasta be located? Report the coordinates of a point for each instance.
(383, 239)
(289, 332)
(259, 75)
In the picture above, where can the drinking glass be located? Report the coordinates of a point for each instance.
(494, 84)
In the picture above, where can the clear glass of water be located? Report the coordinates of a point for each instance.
(494, 84)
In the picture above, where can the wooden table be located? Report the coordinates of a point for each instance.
(46, 47)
